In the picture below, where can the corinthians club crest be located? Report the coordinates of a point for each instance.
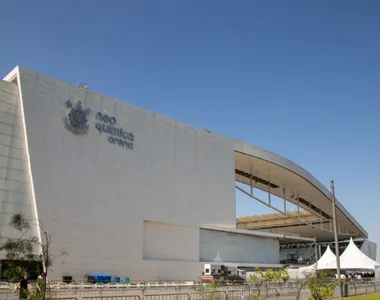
(76, 118)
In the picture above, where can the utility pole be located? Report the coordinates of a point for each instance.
(335, 232)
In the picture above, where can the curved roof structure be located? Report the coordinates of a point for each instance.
(278, 220)
(285, 179)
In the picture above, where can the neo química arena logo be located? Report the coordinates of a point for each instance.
(76, 118)
(116, 135)
(77, 122)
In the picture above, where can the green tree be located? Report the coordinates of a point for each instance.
(14, 272)
(29, 248)
(321, 285)
(264, 278)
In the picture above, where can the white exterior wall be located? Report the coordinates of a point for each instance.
(15, 192)
(132, 213)
(170, 242)
(94, 196)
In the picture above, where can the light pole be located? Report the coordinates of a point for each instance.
(337, 254)
(316, 254)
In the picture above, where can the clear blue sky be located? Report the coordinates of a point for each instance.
(300, 78)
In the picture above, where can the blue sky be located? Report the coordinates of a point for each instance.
(300, 78)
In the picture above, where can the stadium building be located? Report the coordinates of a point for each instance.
(135, 194)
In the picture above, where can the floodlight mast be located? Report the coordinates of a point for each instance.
(315, 253)
(337, 254)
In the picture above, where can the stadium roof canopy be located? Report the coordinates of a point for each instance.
(272, 173)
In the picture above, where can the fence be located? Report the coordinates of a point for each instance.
(363, 288)
(284, 291)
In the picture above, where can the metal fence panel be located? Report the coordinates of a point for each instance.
(209, 295)
(246, 294)
(7, 294)
(124, 297)
(266, 293)
(176, 296)
(196, 292)
(235, 294)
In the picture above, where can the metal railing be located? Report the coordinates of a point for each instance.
(125, 297)
(366, 287)
(283, 291)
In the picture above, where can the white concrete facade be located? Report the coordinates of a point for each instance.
(15, 190)
(138, 195)
(129, 212)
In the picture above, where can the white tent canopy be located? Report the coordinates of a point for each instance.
(326, 259)
(323, 263)
(353, 258)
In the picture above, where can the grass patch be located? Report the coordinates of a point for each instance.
(365, 297)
